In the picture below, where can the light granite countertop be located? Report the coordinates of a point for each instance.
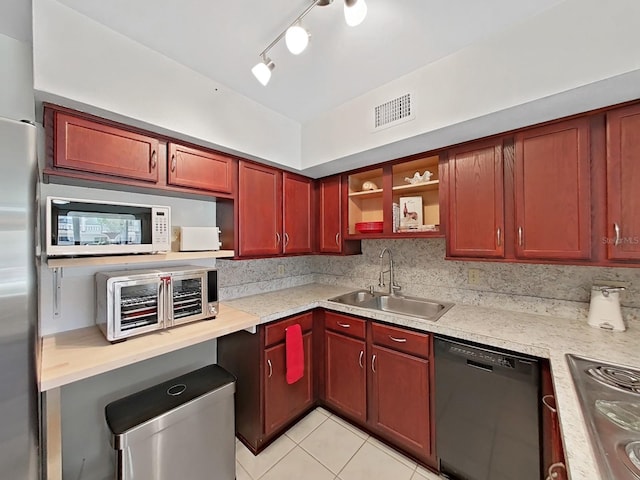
(542, 336)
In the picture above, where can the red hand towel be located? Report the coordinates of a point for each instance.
(295, 354)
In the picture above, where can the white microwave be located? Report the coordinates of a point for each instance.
(92, 227)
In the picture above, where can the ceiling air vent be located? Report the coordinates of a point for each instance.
(393, 112)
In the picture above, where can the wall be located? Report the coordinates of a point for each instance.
(82, 64)
(16, 94)
(579, 55)
(85, 435)
(421, 270)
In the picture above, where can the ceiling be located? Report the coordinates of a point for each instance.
(222, 40)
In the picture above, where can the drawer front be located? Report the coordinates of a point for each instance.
(275, 332)
(351, 326)
(401, 340)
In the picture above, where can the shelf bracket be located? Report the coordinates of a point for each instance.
(252, 330)
(58, 274)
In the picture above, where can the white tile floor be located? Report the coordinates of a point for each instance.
(322, 446)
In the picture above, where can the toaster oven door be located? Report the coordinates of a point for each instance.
(138, 306)
(187, 302)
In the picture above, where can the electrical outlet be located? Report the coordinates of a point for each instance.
(280, 270)
(474, 276)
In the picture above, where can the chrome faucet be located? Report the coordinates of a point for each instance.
(393, 286)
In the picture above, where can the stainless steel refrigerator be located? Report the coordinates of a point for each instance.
(19, 350)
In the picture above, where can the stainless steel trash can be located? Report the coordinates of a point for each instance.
(179, 429)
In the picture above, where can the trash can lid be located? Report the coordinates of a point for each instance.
(140, 407)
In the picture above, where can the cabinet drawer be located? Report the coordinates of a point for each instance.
(275, 332)
(400, 339)
(351, 326)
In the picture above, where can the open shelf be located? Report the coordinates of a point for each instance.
(424, 193)
(367, 193)
(418, 187)
(365, 205)
(142, 258)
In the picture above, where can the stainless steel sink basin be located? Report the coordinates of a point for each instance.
(413, 306)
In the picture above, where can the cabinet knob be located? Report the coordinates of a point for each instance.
(270, 367)
(153, 160)
(360, 359)
(344, 325)
(373, 363)
(499, 236)
(173, 162)
(277, 238)
(286, 239)
(554, 466)
(616, 229)
(338, 238)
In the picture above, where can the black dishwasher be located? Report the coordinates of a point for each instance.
(487, 412)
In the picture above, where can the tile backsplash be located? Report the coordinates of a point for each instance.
(558, 290)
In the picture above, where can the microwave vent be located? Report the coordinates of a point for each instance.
(393, 112)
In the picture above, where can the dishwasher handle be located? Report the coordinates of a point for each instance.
(480, 366)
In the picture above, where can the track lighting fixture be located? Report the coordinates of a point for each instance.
(297, 38)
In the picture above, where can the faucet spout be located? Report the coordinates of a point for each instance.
(393, 286)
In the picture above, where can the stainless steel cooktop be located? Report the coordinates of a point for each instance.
(610, 400)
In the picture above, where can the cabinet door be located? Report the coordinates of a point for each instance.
(553, 191)
(400, 399)
(331, 215)
(296, 204)
(189, 167)
(345, 375)
(283, 402)
(260, 210)
(476, 201)
(623, 178)
(88, 146)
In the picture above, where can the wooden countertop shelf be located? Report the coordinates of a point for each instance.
(77, 354)
(128, 259)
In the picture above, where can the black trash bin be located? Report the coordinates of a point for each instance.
(180, 429)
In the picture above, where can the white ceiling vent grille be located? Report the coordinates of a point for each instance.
(393, 112)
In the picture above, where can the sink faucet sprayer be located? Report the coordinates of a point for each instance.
(393, 286)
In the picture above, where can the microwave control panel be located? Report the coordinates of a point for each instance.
(161, 228)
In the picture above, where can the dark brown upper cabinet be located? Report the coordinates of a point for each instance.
(476, 201)
(623, 177)
(553, 191)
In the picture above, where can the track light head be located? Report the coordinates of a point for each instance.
(297, 39)
(354, 12)
(262, 70)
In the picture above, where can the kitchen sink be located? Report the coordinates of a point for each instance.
(412, 306)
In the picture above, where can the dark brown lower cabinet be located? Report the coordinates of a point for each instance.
(553, 460)
(379, 376)
(345, 377)
(400, 399)
(265, 403)
(283, 402)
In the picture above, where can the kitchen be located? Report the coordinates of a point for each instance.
(61, 76)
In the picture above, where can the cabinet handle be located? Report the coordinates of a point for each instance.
(546, 404)
(520, 236)
(277, 238)
(173, 162)
(399, 340)
(286, 239)
(499, 235)
(344, 325)
(152, 161)
(338, 238)
(552, 467)
(616, 229)
(373, 363)
(360, 359)
(270, 367)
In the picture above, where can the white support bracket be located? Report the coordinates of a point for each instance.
(58, 274)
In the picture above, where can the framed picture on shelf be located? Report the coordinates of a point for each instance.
(410, 212)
